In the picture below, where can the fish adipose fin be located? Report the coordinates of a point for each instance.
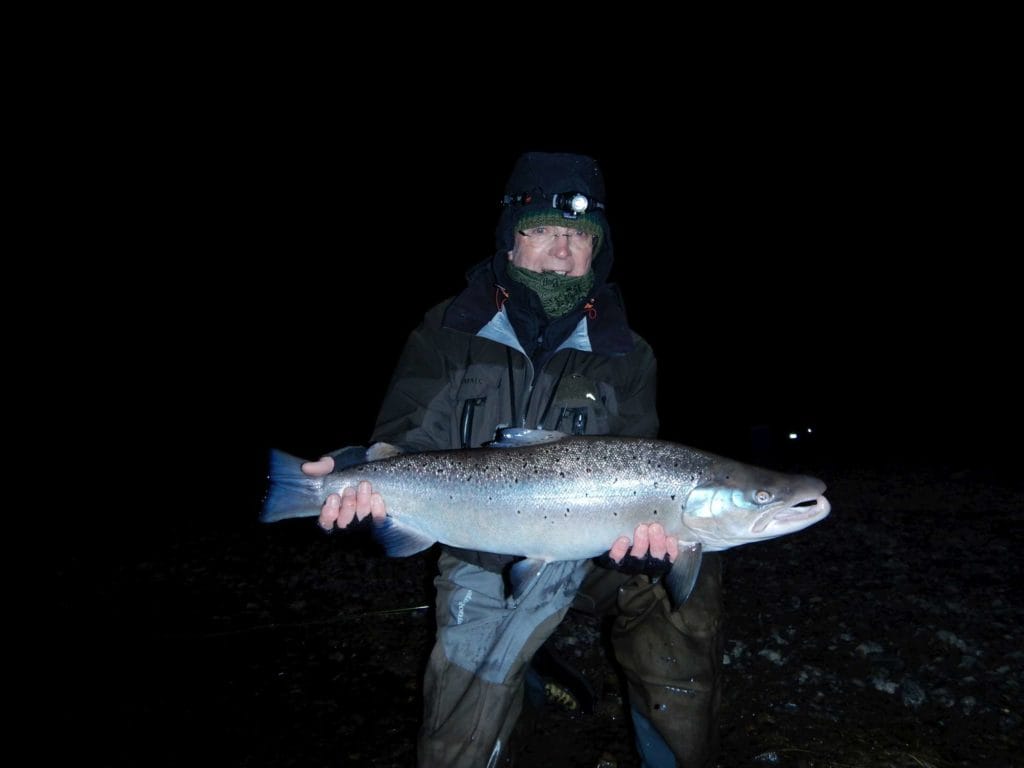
(379, 451)
(682, 577)
(400, 540)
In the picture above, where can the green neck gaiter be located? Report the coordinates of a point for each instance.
(558, 293)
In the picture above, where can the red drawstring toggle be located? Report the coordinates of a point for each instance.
(500, 296)
(590, 309)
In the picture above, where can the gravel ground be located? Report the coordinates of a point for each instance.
(887, 635)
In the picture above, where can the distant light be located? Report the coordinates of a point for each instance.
(793, 435)
(809, 430)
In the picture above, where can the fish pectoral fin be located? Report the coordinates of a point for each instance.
(522, 574)
(398, 539)
(683, 576)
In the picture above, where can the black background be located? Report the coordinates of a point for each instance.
(840, 262)
(846, 280)
(836, 258)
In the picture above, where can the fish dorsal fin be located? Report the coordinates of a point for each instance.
(519, 437)
(379, 451)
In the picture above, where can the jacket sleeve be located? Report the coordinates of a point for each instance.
(638, 411)
(416, 412)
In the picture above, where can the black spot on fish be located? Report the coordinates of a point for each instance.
(673, 497)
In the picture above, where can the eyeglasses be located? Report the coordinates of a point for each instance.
(544, 236)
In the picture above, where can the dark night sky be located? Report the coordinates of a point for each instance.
(836, 277)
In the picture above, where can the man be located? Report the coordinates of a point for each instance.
(539, 338)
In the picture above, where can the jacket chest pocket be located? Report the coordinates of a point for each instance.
(573, 421)
(476, 408)
(579, 407)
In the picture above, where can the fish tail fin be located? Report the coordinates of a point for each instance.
(291, 492)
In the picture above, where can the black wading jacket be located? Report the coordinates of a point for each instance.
(465, 372)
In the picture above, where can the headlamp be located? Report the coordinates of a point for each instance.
(572, 204)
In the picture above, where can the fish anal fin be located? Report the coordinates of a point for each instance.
(398, 539)
(683, 576)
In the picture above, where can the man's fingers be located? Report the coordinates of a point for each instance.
(354, 503)
(377, 508)
(329, 512)
(656, 535)
(318, 468)
(363, 499)
(672, 545)
(641, 541)
(619, 549)
(348, 507)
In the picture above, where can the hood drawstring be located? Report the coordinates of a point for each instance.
(500, 296)
(590, 308)
(512, 389)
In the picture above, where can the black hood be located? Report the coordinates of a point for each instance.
(536, 177)
(542, 175)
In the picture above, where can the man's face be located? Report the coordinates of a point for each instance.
(564, 250)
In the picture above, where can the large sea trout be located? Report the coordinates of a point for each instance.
(548, 496)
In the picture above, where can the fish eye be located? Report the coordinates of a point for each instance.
(762, 497)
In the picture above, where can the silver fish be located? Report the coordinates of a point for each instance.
(547, 496)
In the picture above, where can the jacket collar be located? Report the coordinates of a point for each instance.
(602, 328)
(499, 328)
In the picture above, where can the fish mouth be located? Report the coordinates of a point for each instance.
(805, 512)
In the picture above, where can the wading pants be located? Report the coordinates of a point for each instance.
(473, 689)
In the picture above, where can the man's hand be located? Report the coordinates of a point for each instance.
(648, 555)
(646, 538)
(352, 504)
